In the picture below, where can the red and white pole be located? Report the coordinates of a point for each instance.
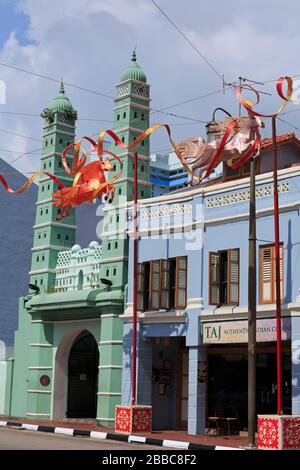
(277, 271)
(135, 272)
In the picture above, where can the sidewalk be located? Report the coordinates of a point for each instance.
(167, 435)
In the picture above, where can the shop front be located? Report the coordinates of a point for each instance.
(227, 385)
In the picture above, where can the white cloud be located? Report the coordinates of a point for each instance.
(89, 42)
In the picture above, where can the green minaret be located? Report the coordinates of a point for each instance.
(131, 118)
(50, 235)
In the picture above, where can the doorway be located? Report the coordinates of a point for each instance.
(83, 377)
(228, 382)
(169, 383)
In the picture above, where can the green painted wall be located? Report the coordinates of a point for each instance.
(51, 235)
(21, 357)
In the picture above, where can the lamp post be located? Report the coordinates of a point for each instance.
(252, 311)
(277, 271)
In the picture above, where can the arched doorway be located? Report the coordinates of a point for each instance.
(83, 377)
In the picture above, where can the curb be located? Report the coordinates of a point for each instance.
(114, 436)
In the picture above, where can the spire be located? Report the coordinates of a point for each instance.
(62, 89)
(133, 56)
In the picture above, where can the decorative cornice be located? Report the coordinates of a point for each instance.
(48, 247)
(162, 316)
(132, 80)
(166, 211)
(60, 131)
(131, 95)
(243, 196)
(130, 129)
(42, 271)
(245, 215)
(55, 224)
(46, 178)
(131, 104)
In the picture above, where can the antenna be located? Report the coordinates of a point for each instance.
(244, 79)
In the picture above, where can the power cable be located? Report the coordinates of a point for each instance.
(188, 40)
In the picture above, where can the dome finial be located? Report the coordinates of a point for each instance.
(62, 89)
(133, 57)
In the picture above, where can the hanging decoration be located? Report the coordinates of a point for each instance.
(240, 142)
(241, 139)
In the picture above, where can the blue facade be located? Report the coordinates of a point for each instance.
(166, 174)
(194, 223)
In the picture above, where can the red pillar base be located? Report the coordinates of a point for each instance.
(133, 418)
(278, 432)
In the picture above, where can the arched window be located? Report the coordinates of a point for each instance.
(124, 115)
(135, 115)
(118, 117)
(80, 280)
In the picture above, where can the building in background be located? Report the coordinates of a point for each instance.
(167, 173)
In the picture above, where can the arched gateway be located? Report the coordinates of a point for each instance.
(76, 376)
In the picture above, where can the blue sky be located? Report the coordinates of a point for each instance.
(13, 19)
(89, 43)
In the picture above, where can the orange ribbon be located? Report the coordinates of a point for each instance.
(29, 182)
(279, 87)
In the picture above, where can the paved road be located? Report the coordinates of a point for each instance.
(14, 439)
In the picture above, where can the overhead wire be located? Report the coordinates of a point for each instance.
(196, 49)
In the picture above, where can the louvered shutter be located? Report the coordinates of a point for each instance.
(165, 284)
(266, 275)
(154, 284)
(233, 276)
(214, 278)
(140, 287)
(281, 273)
(181, 281)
